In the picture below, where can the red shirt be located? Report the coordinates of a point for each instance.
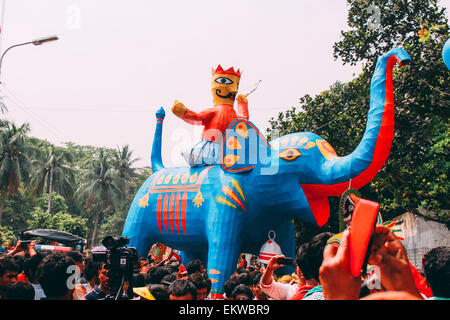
(215, 119)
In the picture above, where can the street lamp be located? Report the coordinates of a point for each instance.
(36, 42)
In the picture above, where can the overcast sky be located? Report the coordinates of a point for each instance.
(116, 62)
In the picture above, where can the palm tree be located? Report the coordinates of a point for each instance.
(14, 163)
(53, 174)
(122, 161)
(99, 189)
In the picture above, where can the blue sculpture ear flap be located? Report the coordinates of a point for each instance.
(243, 147)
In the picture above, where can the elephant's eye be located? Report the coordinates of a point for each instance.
(290, 154)
(223, 80)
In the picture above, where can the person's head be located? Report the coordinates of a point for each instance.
(436, 265)
(182, 290)
(310, 256)
(168, 279)
(78, 258)
(8, 272)
(242, 292)
(254, 286)
(103, 278)
(91, 270)
(31, 264)
(160, 292)
(22, 290)
(156, 274)
(194, 266)
(229, 286)
(201, 284)
(240, 270)
(53, 273)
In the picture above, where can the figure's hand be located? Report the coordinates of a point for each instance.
(242, 98)
(334, 274)
(389, 254)
(32, 248)
(178, 108)
(17, 249)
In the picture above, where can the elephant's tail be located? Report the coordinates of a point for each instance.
(156, 148)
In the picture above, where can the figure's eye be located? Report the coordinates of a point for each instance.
(223, 80)
(290, 154)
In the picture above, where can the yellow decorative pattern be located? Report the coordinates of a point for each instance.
(230, 160)
(233, 143)
(143, 202)
(168, 178)
(193, 178)
(176, 179)
(302, 141)
(242, 130)
(185, 177)
(198, 200)
(310, 145)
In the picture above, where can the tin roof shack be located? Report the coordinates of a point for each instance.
(421, 235)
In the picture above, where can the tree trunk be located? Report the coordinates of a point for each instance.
(94, 233)
(2, 206)
(50, 185)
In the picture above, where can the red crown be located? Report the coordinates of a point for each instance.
(230, 71)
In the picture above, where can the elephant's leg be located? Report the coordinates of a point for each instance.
(286, 239)
(224, 241)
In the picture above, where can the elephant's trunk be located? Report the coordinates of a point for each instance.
(156, 148)
(362, 165)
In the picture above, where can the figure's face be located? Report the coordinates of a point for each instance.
(224, 88)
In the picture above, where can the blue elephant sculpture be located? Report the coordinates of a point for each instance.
(216, 212)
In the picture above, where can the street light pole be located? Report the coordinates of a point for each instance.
(36, 42)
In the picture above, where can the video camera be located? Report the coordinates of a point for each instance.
(121, 263)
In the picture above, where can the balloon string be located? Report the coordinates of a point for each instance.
(254, 89)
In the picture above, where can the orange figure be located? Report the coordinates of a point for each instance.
(224, 87)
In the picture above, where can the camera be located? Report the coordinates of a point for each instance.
(121, 263)
(285, 261)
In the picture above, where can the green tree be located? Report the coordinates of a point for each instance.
(14, 162)
(123, 162)
(53, 173)
(61, 221)
(100, 190)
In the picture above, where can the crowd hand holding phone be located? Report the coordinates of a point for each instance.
(389, 254)
(334, 274)
(274, 263)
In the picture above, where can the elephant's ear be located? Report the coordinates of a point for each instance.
(243, 147)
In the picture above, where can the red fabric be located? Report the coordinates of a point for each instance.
(215, 119)
(302, 290)
(243, 263)
(21, 277)
(420, 282)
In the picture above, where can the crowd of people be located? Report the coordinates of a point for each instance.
(321, 273)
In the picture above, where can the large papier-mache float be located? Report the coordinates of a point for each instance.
(216, 211)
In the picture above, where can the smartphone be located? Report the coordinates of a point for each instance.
(24, 244)
(285, 261)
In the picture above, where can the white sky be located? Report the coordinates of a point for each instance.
(116, 62)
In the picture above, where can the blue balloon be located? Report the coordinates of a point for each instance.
(446, 54)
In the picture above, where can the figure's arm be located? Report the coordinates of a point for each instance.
(242, 107)
(192, 117)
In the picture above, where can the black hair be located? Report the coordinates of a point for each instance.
(31, 264)
(91, 269)
(255, 278)
(182, 287)
(155, 274)
(240, 270)
(21, 290)
(229, 285)
(242, 289)
(199, 280)
(168, 279)
(160, 292)
(436, 265)
(76, 256)
(194, 266)
(244, 278)
(7, 263)
(53, 273)
(310, 255)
